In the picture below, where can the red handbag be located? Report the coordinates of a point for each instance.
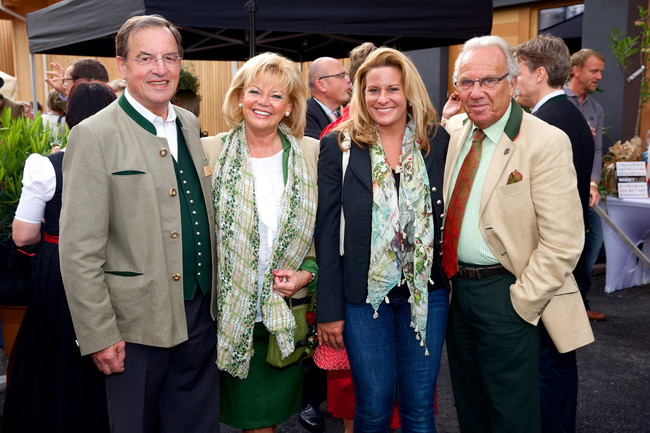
(327, 358)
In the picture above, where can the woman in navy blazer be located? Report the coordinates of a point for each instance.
(385, 344)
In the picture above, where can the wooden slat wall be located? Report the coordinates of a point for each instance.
(214, 78)
(6, 43)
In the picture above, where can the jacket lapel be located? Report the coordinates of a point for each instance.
(505, 149)
(359, 165)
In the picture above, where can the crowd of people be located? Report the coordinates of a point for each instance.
(177, 276)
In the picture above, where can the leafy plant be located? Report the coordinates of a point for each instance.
(624, 48)
(19, 138)
(187, 80)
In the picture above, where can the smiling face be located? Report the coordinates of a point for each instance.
(483, 106)
(152, 86)
(385, 97)
(264, 104)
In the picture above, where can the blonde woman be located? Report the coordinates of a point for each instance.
(265, 209)
(385, 300)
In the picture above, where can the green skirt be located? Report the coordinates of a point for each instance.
(268, 396)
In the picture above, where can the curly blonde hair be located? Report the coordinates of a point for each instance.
(287, 75)
(361, 126)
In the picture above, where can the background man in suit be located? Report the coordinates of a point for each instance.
(508, 247)
(586, 71)
(330, 87)
(543, 68)
(137, 236)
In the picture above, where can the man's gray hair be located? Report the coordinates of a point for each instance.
(487, 42)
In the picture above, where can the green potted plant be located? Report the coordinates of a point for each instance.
(625, 48)
(188, 80)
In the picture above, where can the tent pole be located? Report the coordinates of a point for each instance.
(35, 100)
(251, 5)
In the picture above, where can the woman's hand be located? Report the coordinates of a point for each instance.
(451, 108)
(287, 282)
(331, 334)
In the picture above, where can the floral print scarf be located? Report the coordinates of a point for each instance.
(402, 233)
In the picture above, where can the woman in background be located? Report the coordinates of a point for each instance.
(55, 117)
(51, 387)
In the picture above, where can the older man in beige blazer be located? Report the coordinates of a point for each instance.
(513, 234)
(137, 241)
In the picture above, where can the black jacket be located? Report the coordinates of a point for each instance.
(317, 119)
(561, 113)
(344, 279)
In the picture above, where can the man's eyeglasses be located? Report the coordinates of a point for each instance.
(65, 81)
(489, 82)
(340, 75)
(170, 60)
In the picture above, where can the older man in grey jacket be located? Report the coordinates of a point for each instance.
(136, 244)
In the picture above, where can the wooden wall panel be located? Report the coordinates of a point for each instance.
(6, 44)
(21, 59)
(214, 78)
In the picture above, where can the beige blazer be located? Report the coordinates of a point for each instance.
(118, 254)
(533, 227)
(213, 145)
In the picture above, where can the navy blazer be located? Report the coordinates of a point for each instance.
(345, 279)
(561, 113)
(317, 119)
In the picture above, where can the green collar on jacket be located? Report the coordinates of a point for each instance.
(514, 122)
(138, 118)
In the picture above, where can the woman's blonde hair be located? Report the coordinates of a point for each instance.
(286, 73)
(361, 126)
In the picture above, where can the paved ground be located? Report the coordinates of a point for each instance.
(614, 392)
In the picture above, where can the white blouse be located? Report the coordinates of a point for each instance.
(39, 184)
(269, 188)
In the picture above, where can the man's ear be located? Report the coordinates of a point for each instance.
(540, 74)
(513, 87)
(575, 70)
(320, 86)
(121, 66)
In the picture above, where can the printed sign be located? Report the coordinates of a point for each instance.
(632, 179)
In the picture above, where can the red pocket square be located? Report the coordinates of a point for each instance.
(514, 177)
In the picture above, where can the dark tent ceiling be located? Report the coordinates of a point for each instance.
(219, 30)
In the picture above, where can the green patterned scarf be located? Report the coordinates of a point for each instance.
(402, 234)
(238, 250)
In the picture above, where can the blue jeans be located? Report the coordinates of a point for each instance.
(593, 244)
(386, 358)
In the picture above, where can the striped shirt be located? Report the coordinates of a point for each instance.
(472, 248)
